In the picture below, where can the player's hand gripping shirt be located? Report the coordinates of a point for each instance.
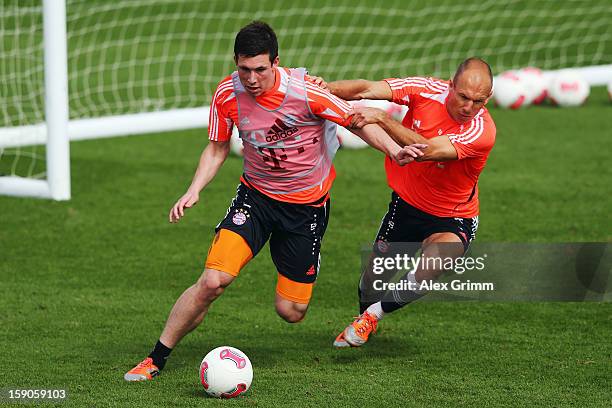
(288, 142)
(444, 189)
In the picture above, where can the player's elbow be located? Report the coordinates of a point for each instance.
(361, 95)
(439, 149)
(219, 150)
(363, 90)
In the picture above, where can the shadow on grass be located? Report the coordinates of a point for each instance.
(312, 349)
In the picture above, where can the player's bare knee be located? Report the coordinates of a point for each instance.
(437, 248)
(291, 316)
(291, 312)
(211, 285)
(427, 274)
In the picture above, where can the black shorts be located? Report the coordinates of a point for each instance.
(295, 231)
(405, 223)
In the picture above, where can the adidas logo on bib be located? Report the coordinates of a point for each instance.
(280, 131)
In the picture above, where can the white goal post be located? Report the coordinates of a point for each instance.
(142, 66)
(57, 184)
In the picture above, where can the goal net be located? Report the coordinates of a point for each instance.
(134, 61)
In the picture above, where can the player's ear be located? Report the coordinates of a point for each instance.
(275, 62)
(489, 96)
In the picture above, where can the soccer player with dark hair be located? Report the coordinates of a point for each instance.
(435, 199)
(288, 127)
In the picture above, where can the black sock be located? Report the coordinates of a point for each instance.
(396, 299)
(363, 306)
(391, 306)
(159, 354)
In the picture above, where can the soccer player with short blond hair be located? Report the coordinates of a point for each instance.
(435, 199)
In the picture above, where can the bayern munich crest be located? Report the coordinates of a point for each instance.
(239, 218)
(383, 246)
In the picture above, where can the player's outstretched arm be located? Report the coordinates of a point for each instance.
(371, 134)
(355, 89)
(376, 137)
(211, 159)
(438, 148)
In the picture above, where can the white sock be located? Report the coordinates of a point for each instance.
(376, 310)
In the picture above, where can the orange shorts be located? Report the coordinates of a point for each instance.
(229, 253)
(294, 291)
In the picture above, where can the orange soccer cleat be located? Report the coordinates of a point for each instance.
(357, 333)
(340, 341)
(144, 371)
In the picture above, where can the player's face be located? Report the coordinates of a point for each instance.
(466, 99)
(256, 73)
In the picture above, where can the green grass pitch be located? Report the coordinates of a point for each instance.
(86, 285)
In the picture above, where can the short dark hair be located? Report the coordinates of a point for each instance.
(465, 64)
(254, 39)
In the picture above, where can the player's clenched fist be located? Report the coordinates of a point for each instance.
(362, 116)
(188, 200)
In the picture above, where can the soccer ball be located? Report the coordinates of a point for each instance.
(509, 90)
(226, 372)
(568, 88)
(236, 147)
(535, 84)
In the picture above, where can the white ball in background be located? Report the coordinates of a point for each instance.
(568, 88)
(348, 140)
(394, 110)
(236, 147)
(535, 84)
(509, 90)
